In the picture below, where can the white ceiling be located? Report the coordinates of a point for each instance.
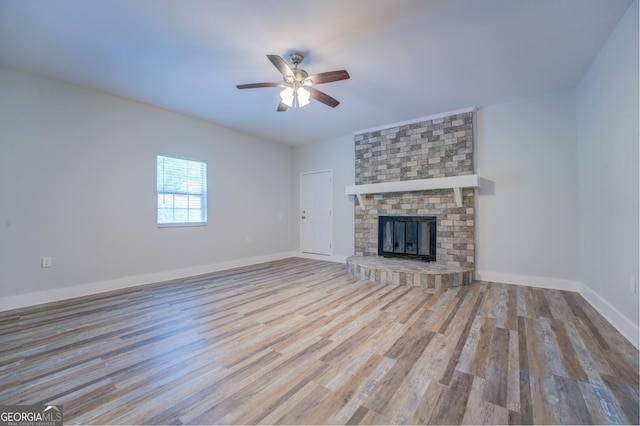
(407, 58)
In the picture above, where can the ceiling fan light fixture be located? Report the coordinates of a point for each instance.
(287, 96)
(303, 96)
(297, 99)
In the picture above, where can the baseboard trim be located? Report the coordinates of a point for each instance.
(624, 325)
(58, 294)
(529, 280)
(328, 258)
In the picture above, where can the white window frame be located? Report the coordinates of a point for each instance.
(183, 192)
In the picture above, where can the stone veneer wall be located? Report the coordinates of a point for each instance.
(441, 147)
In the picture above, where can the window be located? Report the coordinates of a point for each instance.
(182, 191)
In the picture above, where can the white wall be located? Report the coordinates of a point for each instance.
(77, 183)
(528, 215)
(337, 155)
(607, 123)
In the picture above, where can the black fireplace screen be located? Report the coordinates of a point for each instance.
(407, 236)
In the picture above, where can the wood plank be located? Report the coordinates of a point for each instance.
(601, 404)
(479, 411)
(340, 397)
(540, 303)
(567, 352)
(478, 362)
(526, 413)
(341, 371)
(350, 344)
(469, 348)
(626, 397)
(455, 308)
(543, 396)
(496, 377)
(536, 355)
(558, 305)
(624, 370)
(367, 388)
(428, 403)
(573, 409)
(299, 412)
(511, 314)
(373, 418)
(549, 347)
(452, 402)
(358, 416)
(448, 373)
(577, 311)
(284, 401)
(513, 374)
(405, 360)
(525, 302)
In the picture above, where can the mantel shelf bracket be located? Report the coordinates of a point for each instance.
(454, 182)
(457, 193)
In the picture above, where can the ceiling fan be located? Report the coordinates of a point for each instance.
(297, 83)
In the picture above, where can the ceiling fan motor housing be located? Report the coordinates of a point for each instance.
(296, 58)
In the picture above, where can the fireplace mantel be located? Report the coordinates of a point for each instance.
(454, 182)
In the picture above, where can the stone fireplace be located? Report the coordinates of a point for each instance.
(440, 147)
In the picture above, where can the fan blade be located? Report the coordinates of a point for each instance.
(327, 77)
(257, 85)
(322, 97)
(281, 65)
(282, 107)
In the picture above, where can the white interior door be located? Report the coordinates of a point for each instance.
(316, 194)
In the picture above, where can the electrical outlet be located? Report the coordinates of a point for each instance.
(47, 262)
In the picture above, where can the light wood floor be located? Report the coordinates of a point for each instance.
(300, 342)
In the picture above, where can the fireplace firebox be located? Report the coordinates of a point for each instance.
(411, 237)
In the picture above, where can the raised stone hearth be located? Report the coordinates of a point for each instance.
(408, 272)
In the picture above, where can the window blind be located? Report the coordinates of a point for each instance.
(182, 191)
